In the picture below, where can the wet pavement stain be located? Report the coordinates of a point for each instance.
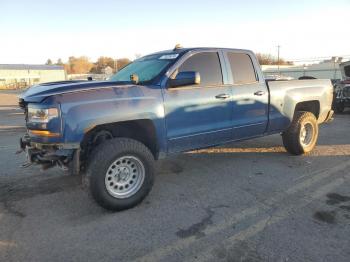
(175, 168)
(335, 198)
(10, 193)
(325, 216)
(170, 168)
(197, 228)
(338, 201)
(27, 188)
(346, 208)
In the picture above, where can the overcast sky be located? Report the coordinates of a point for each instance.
(33, 31)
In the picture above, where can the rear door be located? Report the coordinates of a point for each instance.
(199, 115)
(249, 96)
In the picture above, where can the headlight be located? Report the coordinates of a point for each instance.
(38, 115)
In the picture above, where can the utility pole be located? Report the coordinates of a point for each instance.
(278, 59)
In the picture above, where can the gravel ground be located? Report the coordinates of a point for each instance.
(249, 201)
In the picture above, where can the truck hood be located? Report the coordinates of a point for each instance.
(38, 93)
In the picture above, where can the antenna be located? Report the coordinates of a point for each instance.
(177, 46)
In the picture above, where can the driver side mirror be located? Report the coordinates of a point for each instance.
(185, 79)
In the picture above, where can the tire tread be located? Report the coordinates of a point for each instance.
(291, 136)
(100, 158)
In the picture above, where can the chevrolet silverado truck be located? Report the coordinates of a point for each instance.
(164, 103)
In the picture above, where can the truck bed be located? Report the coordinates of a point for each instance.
(285, 95)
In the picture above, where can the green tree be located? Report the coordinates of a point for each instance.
(59, 62)
(49, 62)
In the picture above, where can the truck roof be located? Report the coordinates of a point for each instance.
(187, 49)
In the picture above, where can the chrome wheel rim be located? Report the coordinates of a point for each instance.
(306, 134)
(124, 177)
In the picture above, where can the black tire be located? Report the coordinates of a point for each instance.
(292, 140)
(339, 107)
(102, 160)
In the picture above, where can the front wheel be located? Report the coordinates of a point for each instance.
(121, 173)
(301, 136)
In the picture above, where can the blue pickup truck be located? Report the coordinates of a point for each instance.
(164, 103)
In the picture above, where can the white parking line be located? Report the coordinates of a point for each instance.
(180, 244)
(254, 229)
(6, 108)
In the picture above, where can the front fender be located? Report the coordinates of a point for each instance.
(82, 111)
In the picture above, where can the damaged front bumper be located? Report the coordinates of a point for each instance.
(65, 156)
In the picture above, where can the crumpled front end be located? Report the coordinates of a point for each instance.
(43, 141)
(50, 155)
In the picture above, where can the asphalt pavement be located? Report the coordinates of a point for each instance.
(248, 201)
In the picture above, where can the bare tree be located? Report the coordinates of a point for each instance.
(122, 62)
(78, 65)
(268, 59)
(101, 63)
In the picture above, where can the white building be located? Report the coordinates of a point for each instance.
(325, 70)
(19, 76)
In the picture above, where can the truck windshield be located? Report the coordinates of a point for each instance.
(146, 68)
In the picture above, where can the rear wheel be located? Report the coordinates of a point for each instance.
(301, 137)
(121, 173)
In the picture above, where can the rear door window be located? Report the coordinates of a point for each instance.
(242, 68)
(207, 64)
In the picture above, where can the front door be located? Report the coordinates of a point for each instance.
(199, 115)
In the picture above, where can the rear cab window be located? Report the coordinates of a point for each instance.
(207, 64)
(242, 68)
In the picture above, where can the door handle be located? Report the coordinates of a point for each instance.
(259, 93)
(222, 96)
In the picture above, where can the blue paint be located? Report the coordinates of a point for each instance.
(184, 118)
